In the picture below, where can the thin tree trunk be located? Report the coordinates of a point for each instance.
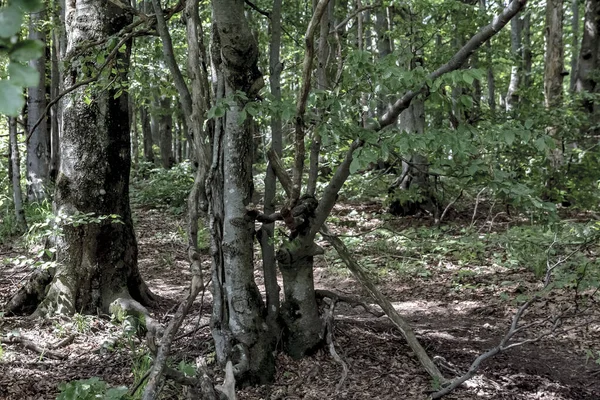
(491, 85)
(165, 129)
(574, 43)
(527, 54)
(267, 230)
(38, 147)
(147, 135)
(16, 175)
(553, 63)
(54, 111)
(512, 97)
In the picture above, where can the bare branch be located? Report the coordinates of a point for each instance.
(303, 98)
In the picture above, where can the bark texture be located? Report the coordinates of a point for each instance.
(554, 62)
(239, 325)
(589, 57)
(38, 147)
(97, 259)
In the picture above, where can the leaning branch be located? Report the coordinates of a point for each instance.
(159, 367)
(303, 98)
(385, 304)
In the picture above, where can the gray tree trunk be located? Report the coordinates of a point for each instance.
(267, 230)
(239, 325)
(38, 147)
(554, 61)
(165, 129)
(147, 135)
(97, 259)
(589, 59)
(574, 43)
(16, 175)
(527, 54)
(512, 97)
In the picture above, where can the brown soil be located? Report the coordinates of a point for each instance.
(456, 324)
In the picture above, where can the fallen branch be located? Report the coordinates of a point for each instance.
(158, 368)
(385, 304)
(354, 302)
(329, 337)
(28, 344)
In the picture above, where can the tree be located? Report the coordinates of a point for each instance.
(38, 145)
(589, 59)
(96, 249)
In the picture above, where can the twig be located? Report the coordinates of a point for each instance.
(62, 343)
(329, 337)
(476, 205)
(448, 207)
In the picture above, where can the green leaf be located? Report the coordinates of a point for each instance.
(29, 5)
(540, 144)
(468, 78)
(354, 165)
(528, 123)
(467, 101)
(27, 50)
(509, 137)
(11, 98)
(10, 21)
(23, 75)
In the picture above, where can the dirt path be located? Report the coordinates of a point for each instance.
(454, 324)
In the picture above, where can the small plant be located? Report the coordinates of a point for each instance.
(90, 389)
(163, 188)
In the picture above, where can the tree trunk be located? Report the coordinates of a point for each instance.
(589, 59)
(38, 147)
(97, 258)
(16, 175)
(267, 230)
(147, 135)
(239, 325)
(527, 54)
(55, 79)
(512, 97)
(574, 43)
(553, 66)
(165, 129)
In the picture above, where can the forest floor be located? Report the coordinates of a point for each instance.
(457, 309)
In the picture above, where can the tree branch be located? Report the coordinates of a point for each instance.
(303, 98)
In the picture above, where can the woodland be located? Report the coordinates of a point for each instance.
(260, 199)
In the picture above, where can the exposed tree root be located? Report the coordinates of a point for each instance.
(28, 344)
(329, 338)
(27, 298)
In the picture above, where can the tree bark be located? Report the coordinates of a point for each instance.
(165, 129)
(38, 147)
(96, 257)
(554, 62)
(512, 97)
(16, 175)
(589, 59)
(574, 44)
(146, 135)
(239, 326)
(267, 229)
